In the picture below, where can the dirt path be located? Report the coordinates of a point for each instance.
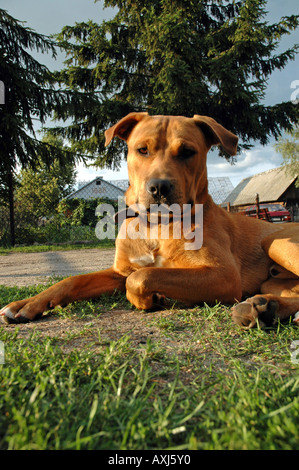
(24, 269)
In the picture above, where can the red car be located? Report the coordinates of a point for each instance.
(271, 212)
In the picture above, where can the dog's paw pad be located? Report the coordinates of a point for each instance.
(267, 310)
(244, 314)
(158, 299)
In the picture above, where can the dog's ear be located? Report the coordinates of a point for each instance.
(123, 128)
(217, 134)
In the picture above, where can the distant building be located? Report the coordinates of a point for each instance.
(219, 188)
(122, 184)
(97, 188)
(272, 186)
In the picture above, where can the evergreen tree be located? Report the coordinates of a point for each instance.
(31, 94)
(177, 57)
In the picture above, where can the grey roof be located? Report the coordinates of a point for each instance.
(219, 188)
(90, 190)
(122, 184)
(269, 185)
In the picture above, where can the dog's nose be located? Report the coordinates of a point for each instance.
(159, 187)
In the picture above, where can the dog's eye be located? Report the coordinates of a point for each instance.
(143, 151)
(186, 153)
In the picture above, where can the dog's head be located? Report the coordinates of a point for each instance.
(167, 156)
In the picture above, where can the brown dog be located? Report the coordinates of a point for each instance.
(239, 257)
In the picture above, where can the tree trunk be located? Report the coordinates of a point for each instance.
(11, 208)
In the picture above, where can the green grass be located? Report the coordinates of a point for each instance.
(193, 381)
(103, 244)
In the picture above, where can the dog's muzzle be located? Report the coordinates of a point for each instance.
(159, 189)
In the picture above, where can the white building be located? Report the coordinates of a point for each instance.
(98, 188)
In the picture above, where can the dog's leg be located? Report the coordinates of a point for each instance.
(279, 300)
(280, 296)
(82, 287)
(283, 247)
(147, 286)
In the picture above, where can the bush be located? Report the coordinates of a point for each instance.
(50, 233)
(82, 212)
(74, 221)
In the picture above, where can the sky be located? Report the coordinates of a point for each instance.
(50, 16)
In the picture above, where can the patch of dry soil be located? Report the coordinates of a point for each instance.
(25, 269)
(92, 332)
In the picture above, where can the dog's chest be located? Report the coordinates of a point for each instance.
(136, 254)
(132, 255)
(152, 259)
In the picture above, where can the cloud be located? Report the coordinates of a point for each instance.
(89, 173)
(248, 163)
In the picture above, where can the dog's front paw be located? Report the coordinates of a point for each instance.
(140, 291)
(13, 313)
(146, 302)
(258, 309)
(23, 311)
